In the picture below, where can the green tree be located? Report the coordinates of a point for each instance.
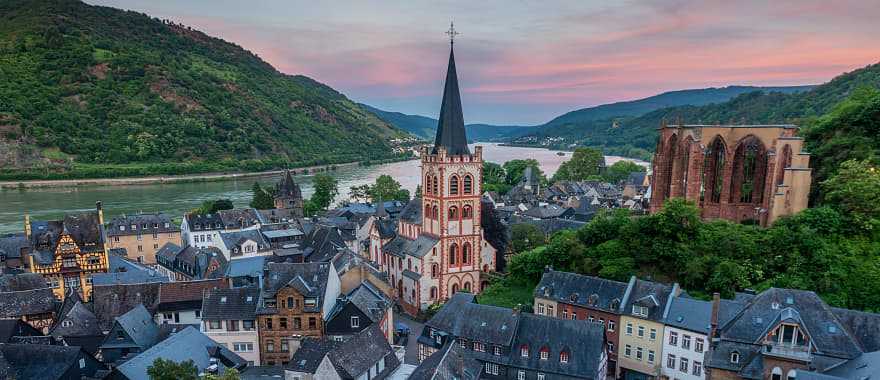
(620, 170)
(326, 189)
(228, 374)
(525, 237)
(514, 169)
(855, 191)
(162, 369)
(495, 178)
(212, 206)
(386, 188)
(261, 200)
(585, 163)
(359, 193)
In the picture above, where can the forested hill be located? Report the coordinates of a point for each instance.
(636, 136)
(426, 127)
(82, 84)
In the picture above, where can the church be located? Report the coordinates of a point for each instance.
(438, 247)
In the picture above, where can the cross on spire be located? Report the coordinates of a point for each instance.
(452, 33)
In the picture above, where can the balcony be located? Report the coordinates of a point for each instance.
(801, 353)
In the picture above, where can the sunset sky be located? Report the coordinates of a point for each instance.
(524, 62)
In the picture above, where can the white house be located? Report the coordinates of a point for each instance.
(685, 339)
(229, 318)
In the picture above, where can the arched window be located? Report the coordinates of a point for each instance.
(734, 357)
(784, 162)
(435, 270)
(408, 263)
(454, 288)
(453, 254)
(792, 375)
(671, 151)
(467, 286)
(453, 185)
(453, 213)
(748, 171)
(435, 213)
(466, 253)
(428, 184)
(713, 171)
(776, 374)
(436, 186)
(467, 212)
(433, 292)
(468, 184)
(563, 357)
(428, 211)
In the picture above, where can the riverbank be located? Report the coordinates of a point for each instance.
(187, 178)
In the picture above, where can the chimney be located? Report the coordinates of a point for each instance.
(27, 226)
(713, 324)
(100, 208)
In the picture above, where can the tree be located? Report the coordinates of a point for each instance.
(326, 189)
(359, 193)
(162, 369)
(212, 206)
(261, 200)
(514, 170)
(585, 163)
(620, 170)
(525, 237)
(855, 191)
(228, 374)
(386, 188)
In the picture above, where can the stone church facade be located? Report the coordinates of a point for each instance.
(734, 172)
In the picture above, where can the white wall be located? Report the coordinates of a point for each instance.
(228, 339)
(334, 287)
(690, 354)
(184, 317)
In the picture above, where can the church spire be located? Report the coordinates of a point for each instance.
(450, 129)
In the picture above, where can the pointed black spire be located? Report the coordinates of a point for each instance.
(450, 128)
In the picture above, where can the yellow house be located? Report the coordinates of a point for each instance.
(67, 252)
(640, 340)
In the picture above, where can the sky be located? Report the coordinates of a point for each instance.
(525, 62)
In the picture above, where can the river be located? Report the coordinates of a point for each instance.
(177, 198)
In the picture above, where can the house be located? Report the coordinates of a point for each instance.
(188, 344)
(278, 238)
(782, 333)
(112, 301)
(359, 309)
(69, 251)
(46, 362)
(141, 235)
(643, 310)
(366, 355)
(229, 318)
(295, 301)
(246, 271)
(573, 296)
(10, 328)
(37, 307)
(15, 250)
(123, 271)
(203, 230)
(245, 243)
(77, 325)
(191, 263)
(181, 302)
(511, 344)
(132, 333)
(451, 362)
(685, 338)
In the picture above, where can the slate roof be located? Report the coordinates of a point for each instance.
(866, 366)
(310, 354)
(203, 222)
(419, 247)
(450, 126)
(85, 229)
(15, 327)
(111, 301)
(412, 213)
(14, 245)
(230, 304)
(189, 344)
(287, 187)
(262, 372)
(39, 361)
(309, 279)
(146, 224)
(449, 363)
(234, 239)
(196, 260)
(581, 290)
(654, 295)
(462, 317)
(138, 324)
(361, 352)
(547, 212)
(585, 343)
(322, 243)
(27, 302)
(386, 228)
(246, 266)
(690, 314)
(239, 217)
(369, 300)
(186, 295)
(277, 234)
(636, 178)
(21, 281)
(123, 271)
(82, 322)
(863, 327)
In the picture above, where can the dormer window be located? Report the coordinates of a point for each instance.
(66, 323)
(563, 357)
(639, 310)
(524, 351)
(734, 357)
(355, 322)
(545, 353)
(122, 228)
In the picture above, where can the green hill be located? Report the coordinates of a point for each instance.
(87, 89)
(635, 136)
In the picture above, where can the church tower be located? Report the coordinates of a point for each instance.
(451, 190)
(289, 196)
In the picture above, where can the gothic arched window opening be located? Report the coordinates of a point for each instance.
(453, 185)
(468, 184)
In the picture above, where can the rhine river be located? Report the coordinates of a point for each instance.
(178, 198)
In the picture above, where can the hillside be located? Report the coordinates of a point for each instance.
(636, 136)
(426, 127)
(83, 87)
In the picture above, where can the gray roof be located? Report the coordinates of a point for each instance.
(450, 128)
(449, 363)
(412, 213)
(189, 344)
(262, 372)
(653, 295)
(231, 304)
(690, 314)
(85, 229)
(27, 302)
(866, 366)
(39, 361)
(361, 352)
(462, 317)
(234, 239)
(310, 353)
(145, 224)
(387, 228)
(546, 212)
(419, 247)
(863, 327)
(246, 266)
(369, 300)
(83, 322)
(123, 271)
(275, 234)
(309, 279)
(584, 342)
(21, 281)
(139, 325)
(111, 301)
(239, 217)
(14, 245)
(581, 290)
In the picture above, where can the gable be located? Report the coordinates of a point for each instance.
(340, 322)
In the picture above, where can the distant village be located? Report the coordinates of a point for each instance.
(388, 289)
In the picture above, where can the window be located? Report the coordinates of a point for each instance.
(641, 331)
(641, 311)
(285, 345)
(540, 308)
(435, 270)
(467, 212)
(313, 323)
(611, 326)
(215, 325)
(629, 329)
(270, 346)
(791, 375)
(653, 335)
(524, 351)
(540, 376)
(776, 374)
(462, 343)
(564, 313)
(282, 323)
(670, 361)
(734, 357)
(686, 342)
(291, 303)
(640, 353)
(610, 347)
(247, 325)
(492, 368)
(168, 316)
(453, 254)
(563, 357)
(650, 356)
(82, 363)
(673, 338)
(268, 323)
(453, 185)
(355, 322)
(521, 375)
(683, 365)
(545, 353)
(453, 213)
(242, 347)
(479, 347)
(698, 345)
(497, 350)
(550, 310)
(468, 184)
(591, 319)
(466, 254)
(698, 369)
(232, 325)
(627, 351)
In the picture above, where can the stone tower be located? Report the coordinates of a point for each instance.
(289, 196)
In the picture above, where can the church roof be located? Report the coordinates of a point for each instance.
(450, 128)
(288, 187)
